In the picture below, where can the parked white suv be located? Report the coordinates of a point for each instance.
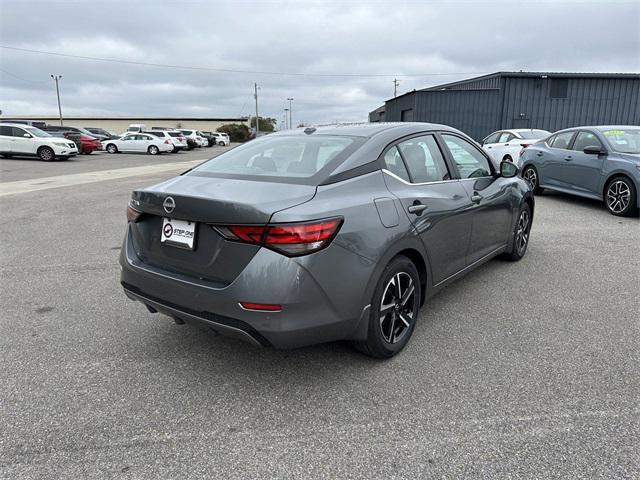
(176, 138)
(200, 140)
(507, 144)
(24, 140)
(221, 138)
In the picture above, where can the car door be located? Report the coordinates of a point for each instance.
(127, 143)
(581, 171)
(501, 148)
(490, 142)
(6, 139)
(489, 193)
(555, 160)
(435, 202)
(22, 144)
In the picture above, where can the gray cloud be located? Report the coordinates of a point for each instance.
(372, 37)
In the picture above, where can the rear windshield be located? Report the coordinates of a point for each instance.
(284, 158)
(624, 141)
(534, 134)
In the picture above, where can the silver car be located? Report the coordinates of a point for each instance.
(600, 162)
(321, 234)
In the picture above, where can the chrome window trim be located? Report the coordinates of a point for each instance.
(421, 183)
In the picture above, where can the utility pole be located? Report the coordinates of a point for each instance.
(396, 82)
(57, 78)
(255, 87)
(290, 113)
(286, 110)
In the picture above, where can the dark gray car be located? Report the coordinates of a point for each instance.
(323, 234)
(600, 162)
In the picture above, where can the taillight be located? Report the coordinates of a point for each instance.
(167, 141)
(291, 239)
(132, 214)
(523, 145)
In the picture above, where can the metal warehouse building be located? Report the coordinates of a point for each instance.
(550, 101)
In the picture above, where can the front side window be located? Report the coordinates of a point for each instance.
(17, 132)
(424, 160)
(393, 162)
(5, 131)
(36, 132)
(493, 138)
(285, 157)
(584, 140)
(562, 140)
(470, 162)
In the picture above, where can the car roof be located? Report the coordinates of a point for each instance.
(10, 124)
(597, 127)
(367, 129)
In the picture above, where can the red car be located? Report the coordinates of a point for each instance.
(87, 144)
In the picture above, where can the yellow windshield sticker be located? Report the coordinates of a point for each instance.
(614, 132)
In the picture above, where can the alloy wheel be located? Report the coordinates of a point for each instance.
(531, 177)
(397, 307)
(618, 196)
(522, 233)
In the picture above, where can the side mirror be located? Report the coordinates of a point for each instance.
(594, 150)
(26, 135)
(508, 169)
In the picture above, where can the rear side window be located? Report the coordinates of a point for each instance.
(584, 140)
(470, 162)
(284, 157)
(393, 162)
(505, 137)
(562, 140)
(424, 160)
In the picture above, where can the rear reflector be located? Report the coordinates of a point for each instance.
(291, 239)
(261, 307)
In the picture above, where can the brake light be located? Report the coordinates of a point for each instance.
(524, 145)
(291, 239)
(167, 141)
(133, 215)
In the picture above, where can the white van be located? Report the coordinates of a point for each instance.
(136, 127)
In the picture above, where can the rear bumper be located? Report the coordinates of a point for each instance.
(322, 300)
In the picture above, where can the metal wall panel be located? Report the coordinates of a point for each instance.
(525, 102)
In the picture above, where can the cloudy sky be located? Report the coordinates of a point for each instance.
(337, 59)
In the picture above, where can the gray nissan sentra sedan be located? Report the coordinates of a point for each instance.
(599, 162)
(323, 234)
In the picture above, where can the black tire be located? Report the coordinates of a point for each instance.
(386, 344)
(618, 190)
(6, 156)
(175, 149)
(507, 158)
(153, 150)
(521, 234)
(111, 148)
(46, 154)
(221, 144)
(63, 158)
(530, 175)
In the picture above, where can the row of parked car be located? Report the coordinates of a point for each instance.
(597, 162)
(49, 142)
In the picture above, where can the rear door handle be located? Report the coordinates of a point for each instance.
(569, 158)
(417, 208)
(539, 154)
(476, 198)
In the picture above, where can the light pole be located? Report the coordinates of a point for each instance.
(57, 78)
(255, 86)
(290, 113)
(286, 110)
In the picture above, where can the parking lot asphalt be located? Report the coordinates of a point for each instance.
(518, 370)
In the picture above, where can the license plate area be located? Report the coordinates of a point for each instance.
(178, 233)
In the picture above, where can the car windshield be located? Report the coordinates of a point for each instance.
(624, 140)
(36, 132)
(175, 134)
(85, 131)
(533, 134)
(283, 157)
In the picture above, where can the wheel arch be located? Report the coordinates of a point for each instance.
(616, 174)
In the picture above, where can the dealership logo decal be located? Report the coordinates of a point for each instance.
(169, 204)
(167, 230)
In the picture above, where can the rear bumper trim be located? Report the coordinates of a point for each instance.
(227, 326)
